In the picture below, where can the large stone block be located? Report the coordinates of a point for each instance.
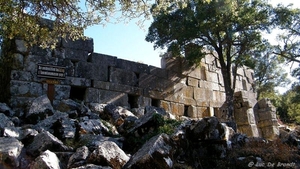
(202, 94)
(75, 81)
(21, 75)
(191, 70)
(121, 76)
(266, 115)
(76, 55)
(267, 123)
(165, 105)
(132, 66)
(25, 89)
(159, 72)
(101, 59)
(250, 130)
(18, 61)
(62, 92)
(244, 116)
(117, 87)
(105, 97)
(270, 133)
(81, 44)
(192, 82)
(91, 71)
(212, 77)
(172, 64)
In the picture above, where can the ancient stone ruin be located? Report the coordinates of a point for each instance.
(74, 71)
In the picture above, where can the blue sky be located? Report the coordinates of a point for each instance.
(127, 41)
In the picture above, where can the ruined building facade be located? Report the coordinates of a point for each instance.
(74, 71)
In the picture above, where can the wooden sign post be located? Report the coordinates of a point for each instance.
(52, 73)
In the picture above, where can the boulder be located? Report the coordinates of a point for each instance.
(5, 122)
(6, 110)
(92, 166)
(207, 129)
(71, 105)
(79, 157)
(11, 132)
(156, 153)
(59, 125)
(114, 116)
(39, 109)
(91, 126)
(10, 150)
(108, 153)
(47, 159)
(46, 141)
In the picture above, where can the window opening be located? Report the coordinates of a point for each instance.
(77, 93)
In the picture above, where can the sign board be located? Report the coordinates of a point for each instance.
(51, 71)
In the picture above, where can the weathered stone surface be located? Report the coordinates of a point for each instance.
(11, 132)
(39, 109)
(192, 82)
(47, 123)
(92, 126)
(21, 75)
(117, 87)
(79, 157)
(249, 130)
(69, 105)
(105, 97)
(159, 72)
(45, 141)
(121, 76)
(25, 89)
(156, 153)
(6, 110)
(102, 59)
(91, 71)
(92, 166)
(82, 44)
(207, 129)
(132, 66)
(108, 153)
(21, 46)
(10, 150)
(47, 159)
(18, 61)
(62, 92)
(270, 132)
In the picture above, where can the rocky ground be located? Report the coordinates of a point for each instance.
(100, 136)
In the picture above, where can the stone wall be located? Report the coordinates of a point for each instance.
(183, 90)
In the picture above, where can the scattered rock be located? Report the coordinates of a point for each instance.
(45, 141)
(156, 153)
(108, 154)
(47, 159)
(10, 149)
(39, 110)
(79, 157)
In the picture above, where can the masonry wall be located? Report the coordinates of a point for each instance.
(97, 78)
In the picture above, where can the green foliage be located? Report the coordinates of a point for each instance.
(290, 107)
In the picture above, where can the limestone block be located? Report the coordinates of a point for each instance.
(266, 115)
(121, 76)
(165, 105)
(204, 112)
(192, 112)
(132, 66)
(173, 64)
(81, 44)
(177, 109)
(267, 123)
(244, 116)
(143, 101)
(250, 130)
(192, 82)
(176, 77)
(91, 71)
(76, 55)
(158, 72)
(188, 101)
(264, 103)
(62, 92)
(212, 77)
(218, 96)
(105, 97)
(101, 59)
(154, 94)
(209, 59)
(191, 70)
(271, 132)
(117, 87)
(75, 81)
(155, 83)
(92, 95)
(249, 74)
(21, 75)
(240, 71)
(201, 94)
(31, 61)
(25, 89)
(245, 85)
